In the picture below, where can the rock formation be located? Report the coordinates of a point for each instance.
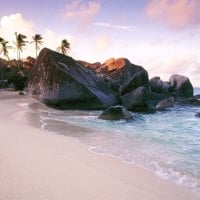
(136, 100)
(159, 86)
(181, 85)
(122, 75)
(166, 103)
(116, 113)
(62, 82)
(92, 66)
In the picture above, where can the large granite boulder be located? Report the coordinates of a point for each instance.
(143, 100)
(181, 85)
(122, 75)
(159, 86)
(116, 113)
(60, 81)
(140, 78)
(136, 100)
(92, 66)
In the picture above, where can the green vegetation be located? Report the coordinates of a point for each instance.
(4, 48)
(17, 78)
(37, 39)
(14, 73)
(64, 47)
(20, 42)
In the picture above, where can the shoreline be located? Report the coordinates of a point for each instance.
(35, 164)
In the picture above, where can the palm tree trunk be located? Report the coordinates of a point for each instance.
(36, 48)
(8, 57)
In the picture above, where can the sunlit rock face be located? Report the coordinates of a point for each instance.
(122, 75)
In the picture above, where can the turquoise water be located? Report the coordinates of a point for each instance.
(167, 143)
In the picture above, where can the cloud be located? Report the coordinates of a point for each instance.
(102, 43)
(115, 26)
(16, 23)
(52, 40)
(81, 12)
(175, 13)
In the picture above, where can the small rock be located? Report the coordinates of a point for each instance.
(166, 103)
(116, 113)
(21, 93)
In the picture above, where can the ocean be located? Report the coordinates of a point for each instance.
(166, 143)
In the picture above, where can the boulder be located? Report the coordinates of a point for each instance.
(60, 81)
(122, 75)
(181, 85)
(136, 100)
(159, 86)
(93, 66)
(154, 98)
(116, 113)
(166, 103)
(140, 78)
(143, 100)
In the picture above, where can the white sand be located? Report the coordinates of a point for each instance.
(39, 165)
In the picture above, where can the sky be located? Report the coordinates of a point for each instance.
(163, 36)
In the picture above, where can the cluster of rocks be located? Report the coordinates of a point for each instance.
(64, 83)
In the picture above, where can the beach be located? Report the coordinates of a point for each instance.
(39, 165)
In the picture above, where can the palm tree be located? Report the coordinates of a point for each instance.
(37, 39)
(20, 43)
(4, 47)
(64, 47)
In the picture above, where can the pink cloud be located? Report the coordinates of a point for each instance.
(81, 12)
(175, 13)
